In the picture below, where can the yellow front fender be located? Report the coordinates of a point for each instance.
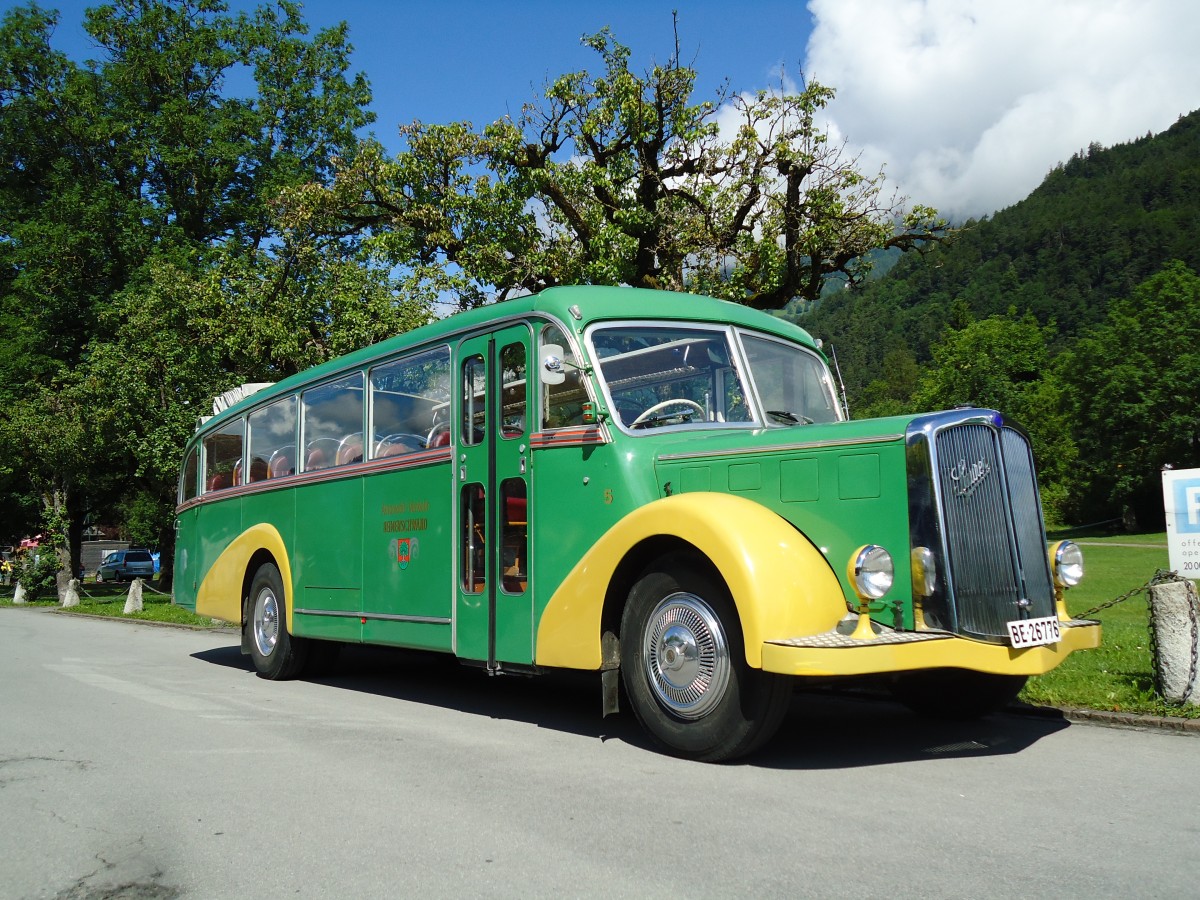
(781, 584)
(220, 594)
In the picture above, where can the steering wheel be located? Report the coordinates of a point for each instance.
(677, 401)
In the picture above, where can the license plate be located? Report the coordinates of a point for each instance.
(1034, 632)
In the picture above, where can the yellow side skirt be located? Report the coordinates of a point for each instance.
(837, 654)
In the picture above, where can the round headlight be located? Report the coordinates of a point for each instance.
(924, 572)
(1067, 562)
(871, 571)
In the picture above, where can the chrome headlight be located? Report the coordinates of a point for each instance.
(871, 572)
(924, 572)
(1066, 562)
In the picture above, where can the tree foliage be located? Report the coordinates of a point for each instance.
(621, 178)
(142, 266)
(1134, 380)
(1003, 363)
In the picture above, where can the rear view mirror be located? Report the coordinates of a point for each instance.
(552, 369)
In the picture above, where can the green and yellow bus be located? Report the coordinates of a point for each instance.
(660, 488)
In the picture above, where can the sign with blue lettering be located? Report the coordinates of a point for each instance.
(1181, 501)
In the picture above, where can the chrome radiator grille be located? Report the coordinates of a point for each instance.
(982, 518)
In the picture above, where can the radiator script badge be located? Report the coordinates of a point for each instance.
(968, 476)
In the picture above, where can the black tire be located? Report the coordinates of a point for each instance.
(956, 693)
(276, 654)
(684, 668)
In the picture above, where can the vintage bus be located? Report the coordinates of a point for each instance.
(660, 488)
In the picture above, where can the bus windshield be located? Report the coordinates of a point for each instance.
(669, 375)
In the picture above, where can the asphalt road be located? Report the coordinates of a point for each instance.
(147, 762)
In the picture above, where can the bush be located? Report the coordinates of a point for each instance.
(38, 573)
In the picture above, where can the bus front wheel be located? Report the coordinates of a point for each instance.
(684, 670)
(276, 654)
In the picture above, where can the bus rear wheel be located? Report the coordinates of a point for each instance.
(276, 654)
(684, 670)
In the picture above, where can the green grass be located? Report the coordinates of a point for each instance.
(108, 599)
(1119, 674)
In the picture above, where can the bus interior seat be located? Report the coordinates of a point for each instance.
(316, 460)
(280, 464)
(350, 450)
(398, 445)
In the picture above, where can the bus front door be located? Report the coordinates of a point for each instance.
(493, 616)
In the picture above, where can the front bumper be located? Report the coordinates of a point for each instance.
(837, 653)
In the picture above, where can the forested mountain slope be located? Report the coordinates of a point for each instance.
(1096, 227)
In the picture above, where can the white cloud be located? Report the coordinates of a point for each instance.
(970, 103)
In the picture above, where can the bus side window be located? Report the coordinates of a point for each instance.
(272, 440)
(223, 455)
(191, 474)
(514, 390)
(562, 404)
(332, 423)
(514, 523)
(409, 399)
(473, 519)
(474, 400)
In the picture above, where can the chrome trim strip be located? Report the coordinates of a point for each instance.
(420, 620)
(384, 617)
(412, 460)
(783, 448)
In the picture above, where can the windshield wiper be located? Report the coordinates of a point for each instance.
(790, 418)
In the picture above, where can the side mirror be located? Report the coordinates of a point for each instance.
(552, 369)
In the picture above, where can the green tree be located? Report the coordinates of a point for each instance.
(1134, 382)
(1003, 363)
(141, 200)
(621, 178)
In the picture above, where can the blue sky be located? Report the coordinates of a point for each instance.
(966, 104)
(466, 59)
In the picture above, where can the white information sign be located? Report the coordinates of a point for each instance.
(1181, 500)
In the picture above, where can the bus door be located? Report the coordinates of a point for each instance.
(493, 620)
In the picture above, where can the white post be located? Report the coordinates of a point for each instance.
(1175, 615)
(19, 595)
(71, 594)
(133, 603)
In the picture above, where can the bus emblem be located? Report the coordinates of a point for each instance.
(404, 549)
(968, 476)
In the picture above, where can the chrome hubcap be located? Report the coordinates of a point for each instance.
(266, 621)
(686, 655)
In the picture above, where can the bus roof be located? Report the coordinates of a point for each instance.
(592, 303)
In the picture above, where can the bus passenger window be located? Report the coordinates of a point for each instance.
(474, 543)
(223, 456)
(333, 420)
(272, 439)
(514, 390)
(409, 400)
(562, 404)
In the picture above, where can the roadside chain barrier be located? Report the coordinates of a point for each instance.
(1162, 576)
(145, 587)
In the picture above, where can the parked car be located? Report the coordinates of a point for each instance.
(126, 565)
